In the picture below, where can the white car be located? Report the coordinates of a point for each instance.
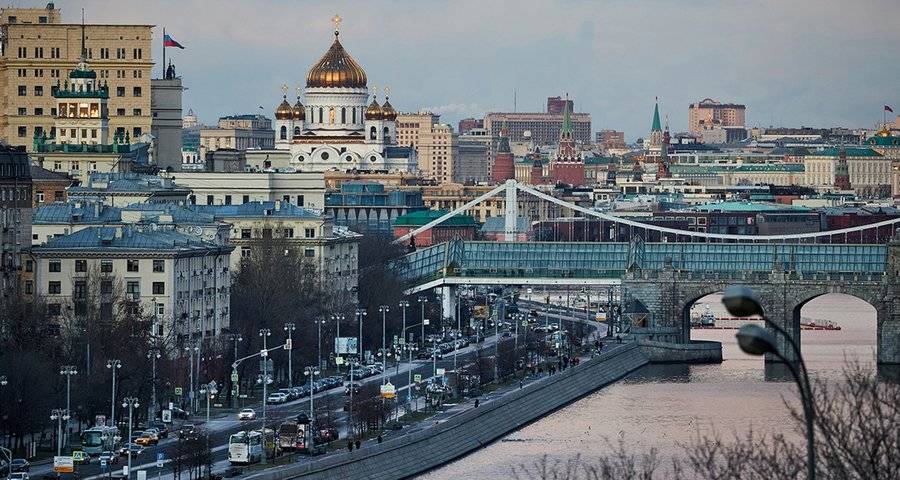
(277, 398)
(247, 414)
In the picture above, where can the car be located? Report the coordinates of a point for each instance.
(288, 393)
(247, 414)
(154, 432)
(18, 476)
(355, 386)
(187, 430)
(276, 398)
(146, 439)
(160, 427)
(19, 465)
(136, 434)
(110, 457)
(80, 457)
(134, 448)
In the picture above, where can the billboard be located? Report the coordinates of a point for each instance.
(345, 345)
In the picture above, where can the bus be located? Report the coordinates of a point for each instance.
(292, 436)
(97, 440)
(245, 448)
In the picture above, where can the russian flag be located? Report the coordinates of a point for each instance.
(168, 41)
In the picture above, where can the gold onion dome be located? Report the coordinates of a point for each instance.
(374, 111)
(299, 112)
(387, 110)
(336, 69)
(284, 111)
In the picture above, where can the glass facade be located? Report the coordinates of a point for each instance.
(609, 260)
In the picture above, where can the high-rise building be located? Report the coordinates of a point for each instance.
(467, 124)
(611, 139)
(38, 53)
(708, 113)
(490, 143)
(16, 207)
(540, 128)
(557, 105)
(435, 143)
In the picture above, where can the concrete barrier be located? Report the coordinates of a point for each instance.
(412, 454)
(697, 351)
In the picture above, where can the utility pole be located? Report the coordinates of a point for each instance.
(130, 403)
(113, 365)
(383, 309)
(68, 371)
(289, 328)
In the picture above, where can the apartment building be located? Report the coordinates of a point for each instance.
(39, 51)
(708, 114)
(15, 213)
(435, 143)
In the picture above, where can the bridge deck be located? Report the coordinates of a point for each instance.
(575, 260)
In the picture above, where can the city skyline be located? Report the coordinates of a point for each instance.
(804, 60)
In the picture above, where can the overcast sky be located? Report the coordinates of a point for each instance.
(797, 62)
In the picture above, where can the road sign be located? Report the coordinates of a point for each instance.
(425, 322)
(63, 464)
(288, 344)
(160, 459)
(141, 475)
(440, 371)
(417, 377)
(178, 391)
(103, 464)
(167, 416)
(339, 360)
(234, 377)
(346, 345)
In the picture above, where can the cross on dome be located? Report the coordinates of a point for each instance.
(336, 20)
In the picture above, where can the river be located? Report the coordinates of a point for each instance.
(663, 405)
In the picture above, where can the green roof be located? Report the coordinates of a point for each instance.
(657, 127)
(600, 160)
(850, 151)
(746, 207)
(747, 167)
(882, 141)
(421, 217)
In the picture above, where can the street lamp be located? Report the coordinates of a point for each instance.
(741, 301)
(289, 327)
(153, 354)
(68, 371)
(411, 348)
(130, 403)
(319, 324)
(264, 379)
(422, 301)
(360, 315)
(60, 415)
(234, 338)
(311, 372)
(193, 349)
(383, 309)
(210, 390)
(113, 365)
(352, 364)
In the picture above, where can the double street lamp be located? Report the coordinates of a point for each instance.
(319, 323)
(337, 318)
(60, 415)
(130, 403)
(68, 371)
(234, 338)
(210, 390)
(742, 301)
(264, 379)
(153, 354)
(113, 365)
(383, 310)
(360, 315)
(311, 372)
(290, 327)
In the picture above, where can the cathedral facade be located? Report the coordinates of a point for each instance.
(338, 128)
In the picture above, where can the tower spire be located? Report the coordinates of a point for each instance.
(656, 124)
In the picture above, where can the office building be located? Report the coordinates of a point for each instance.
(436, 144)
(490, 144)
(369, 208)
(557, 105)
(539, 128)
(39, 51)
(240, 132)
(611, 139)
(708, 113)
(467, 124)
(303, 189)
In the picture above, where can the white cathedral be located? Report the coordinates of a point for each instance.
(338, 129)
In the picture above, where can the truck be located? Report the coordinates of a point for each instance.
(292, 436)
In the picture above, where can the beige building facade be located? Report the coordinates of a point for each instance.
(708, 113)
(39, 51)
(870, 172)
(436, 144)
(303, 189)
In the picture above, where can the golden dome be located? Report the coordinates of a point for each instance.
(299, 112)
(284, 112)
(374, 111)
(336, 69)
(388, 110)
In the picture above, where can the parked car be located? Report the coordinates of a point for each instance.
(355, 387)
(19, 465)
(110, 457)
(160, 427)
(247, 414)
(276, 398)
(19, 476)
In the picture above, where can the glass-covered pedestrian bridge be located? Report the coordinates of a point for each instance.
(475, 261)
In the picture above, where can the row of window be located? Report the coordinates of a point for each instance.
(22, 131)
(247, 233)
(56, 52)
(39, 91)
(106, 266)
(79, 288)
(307, 253)
(227, 199)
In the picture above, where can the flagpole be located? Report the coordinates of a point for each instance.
(163, 76)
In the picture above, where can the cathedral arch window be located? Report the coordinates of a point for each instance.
(296, 131)
(321, 113)
(373, 133)
(386, 135)
(354, 115)
(324, 155)
(343, 114)
(283, 134)
(331, 115)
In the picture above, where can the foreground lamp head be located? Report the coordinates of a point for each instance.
(741, 301)
(756, 340)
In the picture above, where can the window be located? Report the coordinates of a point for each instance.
(38, 91)
(42, 19)
(38, 52)
(23, 90)
(54, 266)
(11, 19)
(245, 252)
(159, 266)
(38, 111)
(288, 233)
(136, 91)
(79, 290)
(283, 134)
(132, 265)
(54, 288)
(300, 200)
(54, 309)
(267, 233)
(136, 132)
(120, 112)
(309, 253)
(137, 112)
(106, 266)
(29, 287)
(80, 266)
(159, 288)
(138, 53)
(160, 311)
(120, 92)
(246, 199)
(29, 265)
(133, 289)
(209, 200)
(23, 111)
(227, 199)
(106, 287)
(309, 233)
(245, 233)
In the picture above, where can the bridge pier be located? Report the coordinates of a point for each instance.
(448, 305)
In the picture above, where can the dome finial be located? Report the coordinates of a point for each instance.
(336, 20)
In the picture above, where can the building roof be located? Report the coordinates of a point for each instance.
(40, 174)
(126, 183)
(87, 213)
(422, 217)
(128, 239)
(498, 225)
(850, 152)
(656, 127)
(735, 207)
(275, 208)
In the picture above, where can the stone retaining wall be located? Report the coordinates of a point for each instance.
(698, 351)
(412, 454)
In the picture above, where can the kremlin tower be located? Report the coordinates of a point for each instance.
(503, 162)
(567, 167)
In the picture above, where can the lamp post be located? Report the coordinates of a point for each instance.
(422, 301)
(60, 415)
(289, 328)
(411, 348)
(235, 338)
(319, 324)
(191, 349)
(360, 315)
(3, 383)
(113, 365)
(742, 301)
(68, 371)
(153, 354)
(352, 363)
(383, 309)
(210, 390)
(337, 318)
(311, 372)
(130, 403)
